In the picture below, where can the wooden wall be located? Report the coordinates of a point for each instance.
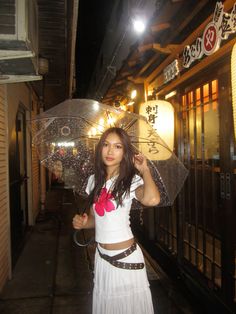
(4, 188)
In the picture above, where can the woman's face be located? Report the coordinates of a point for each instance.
(112, 151)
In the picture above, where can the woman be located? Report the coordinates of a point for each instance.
(120, 280)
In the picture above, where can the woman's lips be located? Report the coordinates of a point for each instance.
(109, 158)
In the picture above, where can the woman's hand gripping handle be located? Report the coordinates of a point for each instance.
(80, 221)
(84, 221)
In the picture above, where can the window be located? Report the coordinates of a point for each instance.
(200, 120)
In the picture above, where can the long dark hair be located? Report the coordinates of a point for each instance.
(126, 171)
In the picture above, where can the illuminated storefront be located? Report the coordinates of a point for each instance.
(200, 230)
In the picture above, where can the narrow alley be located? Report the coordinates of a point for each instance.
(53, 275)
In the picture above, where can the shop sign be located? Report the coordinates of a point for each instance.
(222, 25)
(160, 115)
(171, 71)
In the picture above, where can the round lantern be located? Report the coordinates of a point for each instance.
(160, 114)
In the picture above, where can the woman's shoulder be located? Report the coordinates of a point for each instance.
(136, 181)
(136, 178)
(91, 177)
(90, 184)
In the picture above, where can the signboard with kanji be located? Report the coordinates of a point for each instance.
(160, 115)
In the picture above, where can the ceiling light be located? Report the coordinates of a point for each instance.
(133, 94)
(171, 94)
(139, 26)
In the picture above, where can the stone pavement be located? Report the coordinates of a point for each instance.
(55, 276)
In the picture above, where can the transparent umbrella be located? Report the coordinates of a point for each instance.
(66, 135)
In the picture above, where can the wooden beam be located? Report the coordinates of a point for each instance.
(132, 63)
(134, 57)
(120, 82)
(168, 49)
(147, 65)
(155, 46)
(159, 27)
(111, 93)
(189, 17)
(145, 47)
(136, 80)
(125, 73)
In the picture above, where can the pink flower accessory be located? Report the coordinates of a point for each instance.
(104, 202)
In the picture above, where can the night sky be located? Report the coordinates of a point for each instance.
(92, 21)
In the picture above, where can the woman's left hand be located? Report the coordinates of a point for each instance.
(140, 163)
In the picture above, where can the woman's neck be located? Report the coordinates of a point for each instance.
(111, 172)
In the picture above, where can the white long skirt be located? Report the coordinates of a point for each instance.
(121, 291)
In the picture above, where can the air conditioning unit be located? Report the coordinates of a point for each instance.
(19, 39)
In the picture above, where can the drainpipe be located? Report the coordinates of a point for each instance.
(42, 183)
(43, 70)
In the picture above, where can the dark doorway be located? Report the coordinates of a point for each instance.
(18, 184)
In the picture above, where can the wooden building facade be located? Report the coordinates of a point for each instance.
(37, 38)
(188, 58)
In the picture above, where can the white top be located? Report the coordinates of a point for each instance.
(112, 223)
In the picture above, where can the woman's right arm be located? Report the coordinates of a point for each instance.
(84, 221)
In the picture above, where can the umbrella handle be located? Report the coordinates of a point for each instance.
(81, 244)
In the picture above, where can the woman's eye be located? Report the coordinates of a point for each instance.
(105, 144)
(118, 146)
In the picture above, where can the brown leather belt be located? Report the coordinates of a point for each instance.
(114, 260)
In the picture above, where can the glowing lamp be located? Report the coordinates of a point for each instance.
(160, 114)
(133, 94)
(139, 25)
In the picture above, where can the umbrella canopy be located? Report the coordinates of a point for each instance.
(66, 136)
